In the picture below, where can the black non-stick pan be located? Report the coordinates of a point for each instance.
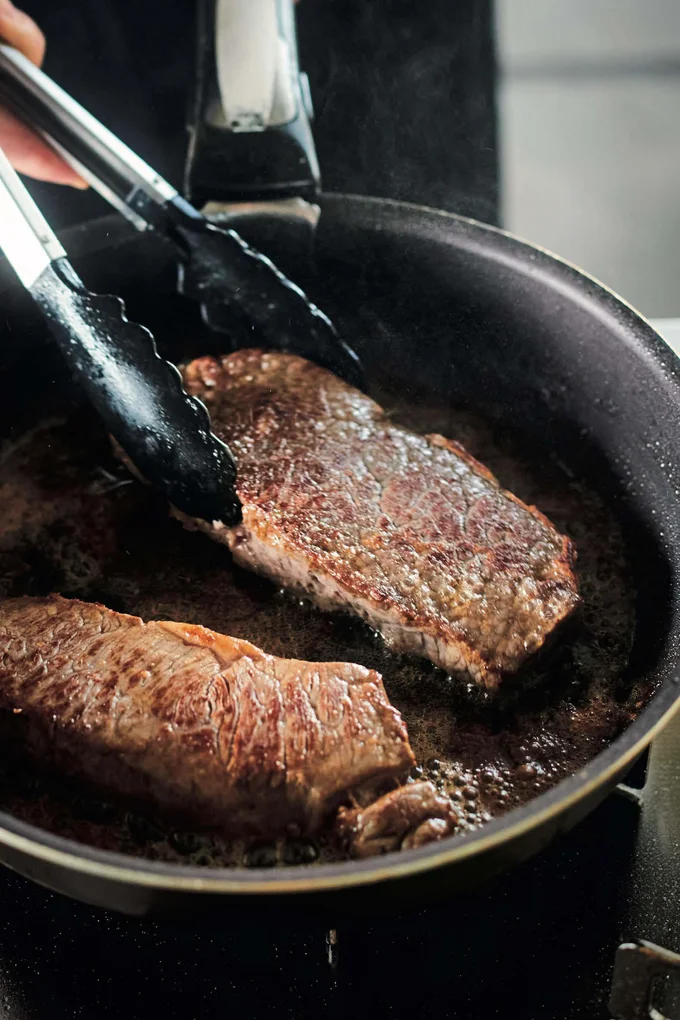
(454, 320)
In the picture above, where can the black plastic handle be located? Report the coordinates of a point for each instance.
(245, 161)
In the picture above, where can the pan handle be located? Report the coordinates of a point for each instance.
(637, 966)
(250, 131)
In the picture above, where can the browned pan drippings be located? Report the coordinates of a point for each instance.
(73, 522)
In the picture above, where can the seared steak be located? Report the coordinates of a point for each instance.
(202, 726)
(408, 531)
(407, 817)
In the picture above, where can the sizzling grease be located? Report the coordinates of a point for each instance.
(72, 521)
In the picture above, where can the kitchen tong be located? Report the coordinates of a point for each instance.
(165, 433)
(217, 267)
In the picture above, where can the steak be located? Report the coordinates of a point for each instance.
(405, 818)
(203, 727)
(408, 531)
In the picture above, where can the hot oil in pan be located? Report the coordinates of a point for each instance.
(73, 522)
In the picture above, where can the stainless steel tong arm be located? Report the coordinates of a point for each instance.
(25, 236)
(99, 156)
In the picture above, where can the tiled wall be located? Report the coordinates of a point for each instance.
(590, 138)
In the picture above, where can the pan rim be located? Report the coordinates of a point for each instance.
(60, 851)
(123, 868)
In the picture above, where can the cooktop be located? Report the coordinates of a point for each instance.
(538, 943)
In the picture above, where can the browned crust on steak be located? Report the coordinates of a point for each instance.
(408, 531)
(410, 816)
(565, 561)
(207, 728)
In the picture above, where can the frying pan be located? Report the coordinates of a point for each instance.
(464, 312)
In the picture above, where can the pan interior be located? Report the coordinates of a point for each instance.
(72, 521)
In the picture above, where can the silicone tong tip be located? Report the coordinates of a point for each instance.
(165, 433)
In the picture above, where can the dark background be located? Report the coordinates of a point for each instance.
(403, 92)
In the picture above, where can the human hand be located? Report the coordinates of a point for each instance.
(28, 153)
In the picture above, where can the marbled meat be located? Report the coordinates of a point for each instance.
(408, 531)
(205, 728)
(407, 817)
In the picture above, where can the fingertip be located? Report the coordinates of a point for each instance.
(31, 156)
(20, 30)
(75, 181)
